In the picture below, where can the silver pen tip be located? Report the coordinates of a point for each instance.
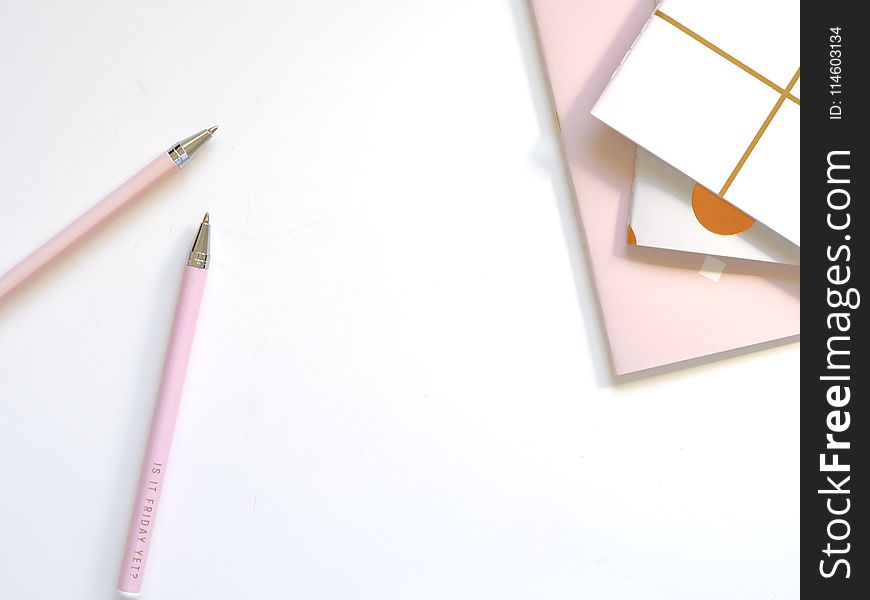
(183, 151)
(198, 256)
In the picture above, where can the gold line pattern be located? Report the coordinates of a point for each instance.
(761, 131)
(787, 93)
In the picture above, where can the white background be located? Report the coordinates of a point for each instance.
(399, 387)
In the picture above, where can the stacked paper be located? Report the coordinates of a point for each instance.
(661, 306)
(713, 89)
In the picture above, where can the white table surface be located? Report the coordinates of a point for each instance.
(399, 387)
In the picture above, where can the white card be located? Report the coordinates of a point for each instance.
(711, 88)
(670, 210)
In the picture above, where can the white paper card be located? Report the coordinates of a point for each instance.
(670, 210)
(712, 89)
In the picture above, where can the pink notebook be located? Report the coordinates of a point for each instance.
(659, 306)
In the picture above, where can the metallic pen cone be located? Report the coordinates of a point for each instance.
(183, 151)
(198, 257)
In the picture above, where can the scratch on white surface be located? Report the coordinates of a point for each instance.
(305, 226)
(57, 142)
(712, 269)
(329, 330)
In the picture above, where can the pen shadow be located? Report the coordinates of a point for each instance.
(605, 151)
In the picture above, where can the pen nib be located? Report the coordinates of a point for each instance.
(198, 256)
(184, 150)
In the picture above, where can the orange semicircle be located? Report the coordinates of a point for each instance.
(717, 215)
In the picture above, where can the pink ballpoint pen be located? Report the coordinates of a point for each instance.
(169, 162)
(165, 412)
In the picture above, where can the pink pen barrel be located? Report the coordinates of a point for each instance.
(95, 216)
(160, 439)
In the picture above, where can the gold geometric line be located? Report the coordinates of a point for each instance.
(727, 56)
(761, 131)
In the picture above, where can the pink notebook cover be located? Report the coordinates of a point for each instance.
(657, 306)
